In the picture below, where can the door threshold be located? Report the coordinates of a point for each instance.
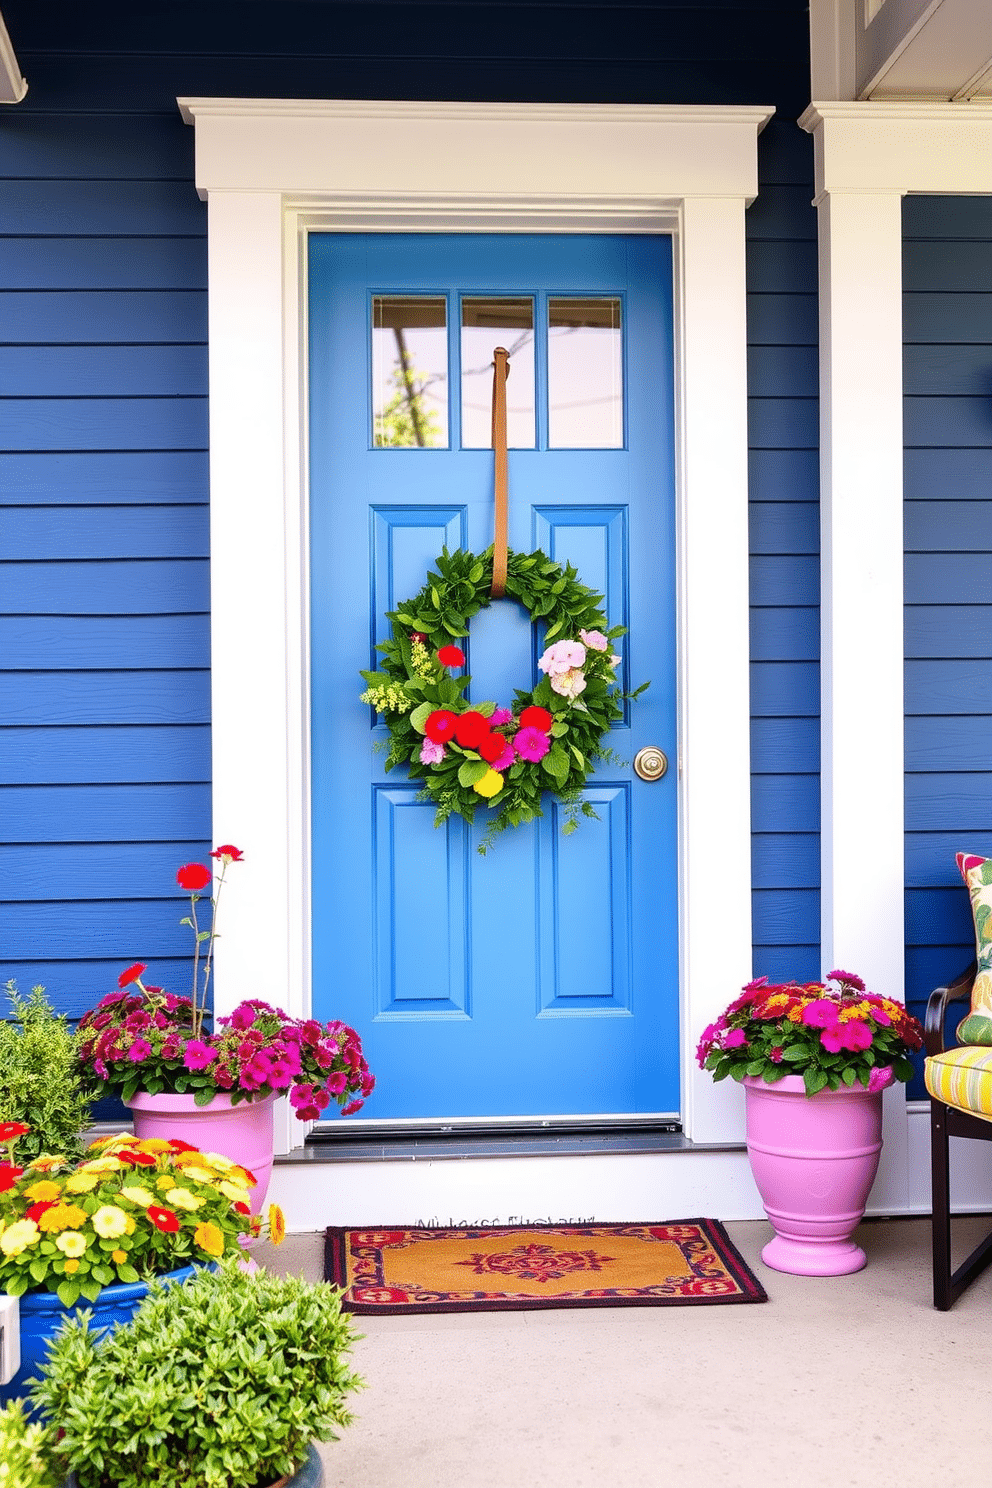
(515, 1139)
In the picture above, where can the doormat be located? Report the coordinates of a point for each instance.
(503, 1268)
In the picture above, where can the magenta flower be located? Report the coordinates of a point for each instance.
(848, 979)
(734, 1038)
(879, 1077)
(822, 1013)
(242, 1017)
(301, 1095)
(198, 1055)
(531, 744)
(500, 716)
(139, 1050)
(504, 760)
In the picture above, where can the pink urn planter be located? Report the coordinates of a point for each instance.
(814, 1159)
(243, 1132)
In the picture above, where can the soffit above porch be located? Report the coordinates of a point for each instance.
(936, 50)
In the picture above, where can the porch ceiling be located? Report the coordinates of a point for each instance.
(924, 49)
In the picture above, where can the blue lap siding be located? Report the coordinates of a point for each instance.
(947, 318)
(104, 591)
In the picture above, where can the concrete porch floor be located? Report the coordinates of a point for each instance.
(848, 1380)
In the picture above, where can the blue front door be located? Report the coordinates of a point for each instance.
(542, 978)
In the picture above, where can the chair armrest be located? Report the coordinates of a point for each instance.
(956, 991)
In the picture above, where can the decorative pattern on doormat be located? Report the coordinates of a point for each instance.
(499, 1268)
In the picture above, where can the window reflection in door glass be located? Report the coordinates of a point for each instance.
(585, 374)
(409, 372)
(486, 324)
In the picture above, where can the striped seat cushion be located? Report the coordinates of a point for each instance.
(962, 1078)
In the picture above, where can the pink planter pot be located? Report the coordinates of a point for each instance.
(814, 1159)
(243, 1132)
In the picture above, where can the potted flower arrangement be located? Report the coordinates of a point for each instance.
(176, 1067)
(98, 1230)
(814, 1060)
(268, 1353)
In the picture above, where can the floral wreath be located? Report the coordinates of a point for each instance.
(549, 739)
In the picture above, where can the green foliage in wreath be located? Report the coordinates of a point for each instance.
(549, 738)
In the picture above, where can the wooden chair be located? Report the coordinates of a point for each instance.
(946, 1122)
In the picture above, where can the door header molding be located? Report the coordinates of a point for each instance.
(271, 171)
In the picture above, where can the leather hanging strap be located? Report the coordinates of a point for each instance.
(501, 370)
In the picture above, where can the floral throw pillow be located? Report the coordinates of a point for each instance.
(977, 874)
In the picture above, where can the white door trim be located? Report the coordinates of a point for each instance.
(272, 170)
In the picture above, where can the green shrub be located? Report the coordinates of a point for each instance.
(41, 1083)
(223, 1380)
(24, 1462)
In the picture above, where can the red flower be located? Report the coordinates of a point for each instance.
(470, 729)
(193, 876)
(228, 850)
(350, 1110)
(178, 1145)
(143, 1159)
(492, 747)
(132, 974)
(451, 656)
(242, 1208)
(11, 1129)
(440, 725)
(535, 717)
(8, 1176)
(37, 1210)
(418, 635)
(163, 1219)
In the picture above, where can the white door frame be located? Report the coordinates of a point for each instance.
(273, 170)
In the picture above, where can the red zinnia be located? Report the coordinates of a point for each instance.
(178, 1145)
(131, 974)
(492, 747)
(8, 1176)
(11, 1129)
(470, 729)
(164, 1219)
(37, 1210)
(143, 1159)
(535, 717)
(440, 725)
(193, 876)
(228, 850)
(451, 656)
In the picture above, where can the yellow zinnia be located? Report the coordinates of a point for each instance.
(209, 1238)
(166, 1181)
(101, 1165)
(44, 1191)
(71, 1267)
(138, 1196)
(71, 1243)
(490, 785)
(82, 1182)
(46, 1162)
(222, 1164)
(120, 1256)
(18, 1237)
(109, 1221)
(236, 1192)
(62, 1217)
(200, 1175)
(277, 1224)
(181, 1198)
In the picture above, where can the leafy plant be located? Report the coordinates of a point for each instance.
(225, 1379)
(41, 1084)
(24, 1451)
(832, 1036)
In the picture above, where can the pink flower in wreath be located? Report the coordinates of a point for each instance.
(431, 753)
(562, 657)
(568, 684)
(594, 639)
(505, 760)
(531, 743)
(500, 716)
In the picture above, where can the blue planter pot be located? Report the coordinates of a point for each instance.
(42, 1314)
(309, 1475)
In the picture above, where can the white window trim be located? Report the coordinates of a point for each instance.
(868, 156)
(272, 170)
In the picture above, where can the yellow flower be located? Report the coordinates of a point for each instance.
(47, 1162)
(795, 1014)
(71, 1266)
(209, 1238)
(44, 1191)
(490, 785)
(138, 1196)
(109, 1221)
(216, 1160)
(200, 1175)
(181, 1198)
(120, 1256)
(19, 1236)
(130, 1227)
(277, 1224)
(82, 1182)
(101, 1165)
(62, 1217)
(166, 1181)
(154, 1144)
(236, 1192)
(71, 1243)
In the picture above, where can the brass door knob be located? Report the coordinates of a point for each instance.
(651, 762)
